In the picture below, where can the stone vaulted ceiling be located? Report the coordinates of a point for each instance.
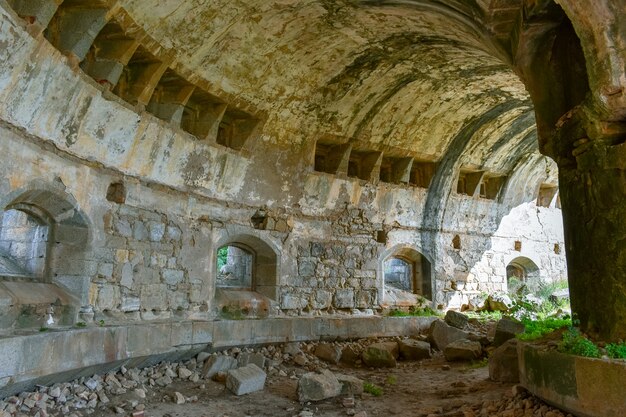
(404, 77)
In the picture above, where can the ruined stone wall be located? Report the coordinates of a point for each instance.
(151, 254)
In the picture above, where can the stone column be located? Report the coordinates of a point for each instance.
(592, 177)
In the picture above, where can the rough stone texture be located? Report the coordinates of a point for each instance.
(328, 352)
(387, 100)
(318, 386)
(350, 385)
(412, 349)
(456, 319)
(246, 379)
(218, 363)
(506, 329)
(256, 358)
(381, 355)
(441, 334)
(462, 350)
(504, 364)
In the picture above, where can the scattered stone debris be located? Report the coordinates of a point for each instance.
(127, 392)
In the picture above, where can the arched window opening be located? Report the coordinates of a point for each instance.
(23, 243)
(399, 274)
(522, 276)
(235, 267)
(406, 273)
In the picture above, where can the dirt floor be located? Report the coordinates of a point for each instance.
(428, 387)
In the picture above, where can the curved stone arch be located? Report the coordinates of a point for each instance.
(69, 235)
(529, 269)
(605, 40)
(266, 258)
(419, 260)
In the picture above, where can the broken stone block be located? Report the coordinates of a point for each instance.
(218, 363)
(292, 348)
(414, 350)
(462, 350)
(256, 358)
(497, 302)
(503, 363)
(328, 352)
(318, 386)
(456, 319)
(349, 355)
(441, 334)
(507, 329)
(350, 385)
(244, 380)
(381, 355)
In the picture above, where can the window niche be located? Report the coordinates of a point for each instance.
(491, 185)
(246, 277)
(422, 173)
(469, 182)
(364, 165)
(235, 128)
(406, 271)
(546, 195)
(333, 158)
(234, 267)
(24, 233)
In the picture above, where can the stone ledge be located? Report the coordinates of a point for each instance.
(585, 387)
(63, 354)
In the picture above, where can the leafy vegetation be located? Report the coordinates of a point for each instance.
(534, 300)
(370, 388)
(576, 344)
(484, 316)
(536, 329)
(391, 380)
(423, 312)
(478, 364)
(616, 350)
(222, 257)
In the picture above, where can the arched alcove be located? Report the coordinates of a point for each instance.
(404, 271)
(246, 276)
(55, 228)
(258, 260)
(44, 239)
(522, 272)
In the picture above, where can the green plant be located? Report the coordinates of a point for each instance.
(81, 324)
(101, 323)
(43, 329)
(370, 388)
(535, 329)
(478, 364)
(576, 344)
(422, 312)
(222, 257)
(616, 350)
(484, 316)
(391, 380)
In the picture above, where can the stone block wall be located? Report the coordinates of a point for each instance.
(152, 254)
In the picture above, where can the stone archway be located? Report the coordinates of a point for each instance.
(523, 272)
(404, 270)
(246, 276)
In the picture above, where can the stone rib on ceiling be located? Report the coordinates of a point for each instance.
(393, 74)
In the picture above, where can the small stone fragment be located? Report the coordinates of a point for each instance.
(179, 398)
